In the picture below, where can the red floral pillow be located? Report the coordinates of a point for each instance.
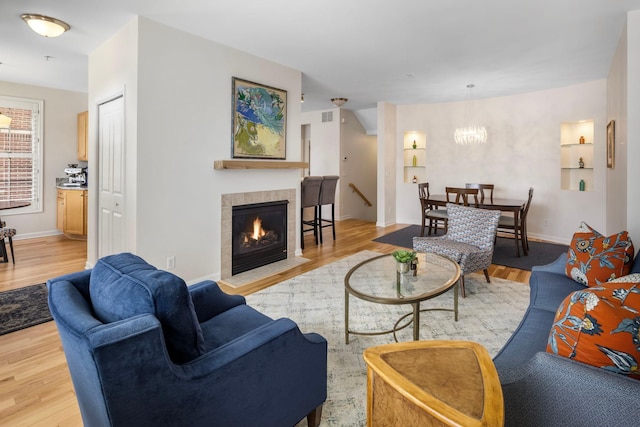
(599, 326)
(594, 259)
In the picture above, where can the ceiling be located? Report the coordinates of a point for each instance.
(401, 51)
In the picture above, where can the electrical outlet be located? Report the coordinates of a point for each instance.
(546, 222)
(171, 263)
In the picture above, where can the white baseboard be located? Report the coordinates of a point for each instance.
(23, 236)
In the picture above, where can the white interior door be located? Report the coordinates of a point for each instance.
(111, 217)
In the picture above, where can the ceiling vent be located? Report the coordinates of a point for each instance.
(327, 116)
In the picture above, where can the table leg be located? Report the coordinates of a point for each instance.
(416, 321)
(455, 300)
(346, 317)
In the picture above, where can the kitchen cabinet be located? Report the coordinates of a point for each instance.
(83, 140)
(72, 212)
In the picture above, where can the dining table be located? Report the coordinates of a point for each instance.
(505, 205)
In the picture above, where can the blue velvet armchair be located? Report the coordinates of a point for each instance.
(144, 349)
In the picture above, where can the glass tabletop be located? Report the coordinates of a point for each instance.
(377, 280)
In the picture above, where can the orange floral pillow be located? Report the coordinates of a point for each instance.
(594, 259)
(599, 326)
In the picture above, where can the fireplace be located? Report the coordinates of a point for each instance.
(258, 235)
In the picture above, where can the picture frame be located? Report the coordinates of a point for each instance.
(259, 121)
(611, 144)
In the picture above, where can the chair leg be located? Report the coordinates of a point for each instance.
(13, 258)
(301, 228)
(486, 275)
(333, 220)
(318, 223)
(3, 251)
(462, 292)
(313, 417)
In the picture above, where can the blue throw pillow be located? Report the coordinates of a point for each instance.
(124, 285)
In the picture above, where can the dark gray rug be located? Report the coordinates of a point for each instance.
(504, 252)
(24, 307)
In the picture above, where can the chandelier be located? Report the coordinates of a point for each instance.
(472, 134)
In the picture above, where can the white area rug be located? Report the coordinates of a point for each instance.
(315, 301)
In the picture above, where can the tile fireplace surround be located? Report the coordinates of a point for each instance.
(238, 199)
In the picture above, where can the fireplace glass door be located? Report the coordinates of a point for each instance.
(259, 235)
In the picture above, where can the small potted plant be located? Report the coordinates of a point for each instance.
(404, 259)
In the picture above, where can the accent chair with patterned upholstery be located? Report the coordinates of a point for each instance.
(469, 240)
(145, 349)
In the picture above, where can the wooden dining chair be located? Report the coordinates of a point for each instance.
(507, 224)
(482, 188)
(459, 196)
(462, 196)
(426, 209)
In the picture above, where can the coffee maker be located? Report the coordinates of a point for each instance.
(77, 176)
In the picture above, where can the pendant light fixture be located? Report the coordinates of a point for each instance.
(45, 25)
(473, 133)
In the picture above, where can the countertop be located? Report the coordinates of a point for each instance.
(71, 187)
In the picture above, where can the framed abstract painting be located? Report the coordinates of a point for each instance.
(259, 121)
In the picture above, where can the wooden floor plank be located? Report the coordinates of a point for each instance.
(35, 386)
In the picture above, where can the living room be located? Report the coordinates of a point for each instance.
(172, 184)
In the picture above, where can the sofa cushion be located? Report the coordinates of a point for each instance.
(124, 285)
(599, 326)
(594, 259)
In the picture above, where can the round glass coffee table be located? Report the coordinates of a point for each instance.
(377, 280)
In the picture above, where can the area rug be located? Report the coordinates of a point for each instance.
(315, 301)
(504, 253)
(24, 307)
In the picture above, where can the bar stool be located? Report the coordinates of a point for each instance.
(310, 195)
(4, 234)
(328, 197)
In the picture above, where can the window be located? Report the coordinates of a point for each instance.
(21, 153)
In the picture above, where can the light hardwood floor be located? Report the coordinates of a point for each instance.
(35, 386)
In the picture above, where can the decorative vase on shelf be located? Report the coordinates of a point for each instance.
(582, 140)
(581, 163)
(415, 160)
(582, 185)
(415, 179)
(414, 144)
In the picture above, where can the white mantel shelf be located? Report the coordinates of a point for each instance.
(258, 164)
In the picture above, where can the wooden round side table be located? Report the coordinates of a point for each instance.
(432, 383)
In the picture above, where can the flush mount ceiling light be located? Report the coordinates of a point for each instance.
(338, 102)
(45, 25)
(472, 134)
(5, 121)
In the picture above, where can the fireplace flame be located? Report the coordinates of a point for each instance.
(258, 231)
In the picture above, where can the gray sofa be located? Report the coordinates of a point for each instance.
(542, 389)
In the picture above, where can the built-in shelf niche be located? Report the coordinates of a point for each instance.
(415, 170)
(576, 142)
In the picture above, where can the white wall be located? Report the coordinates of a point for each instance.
(59, 149)
(387, 164)
(325, 150)
(523, 150)
(617, 100)
(633, 111)
(183, 124)
(358, 166)
(113, 71)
